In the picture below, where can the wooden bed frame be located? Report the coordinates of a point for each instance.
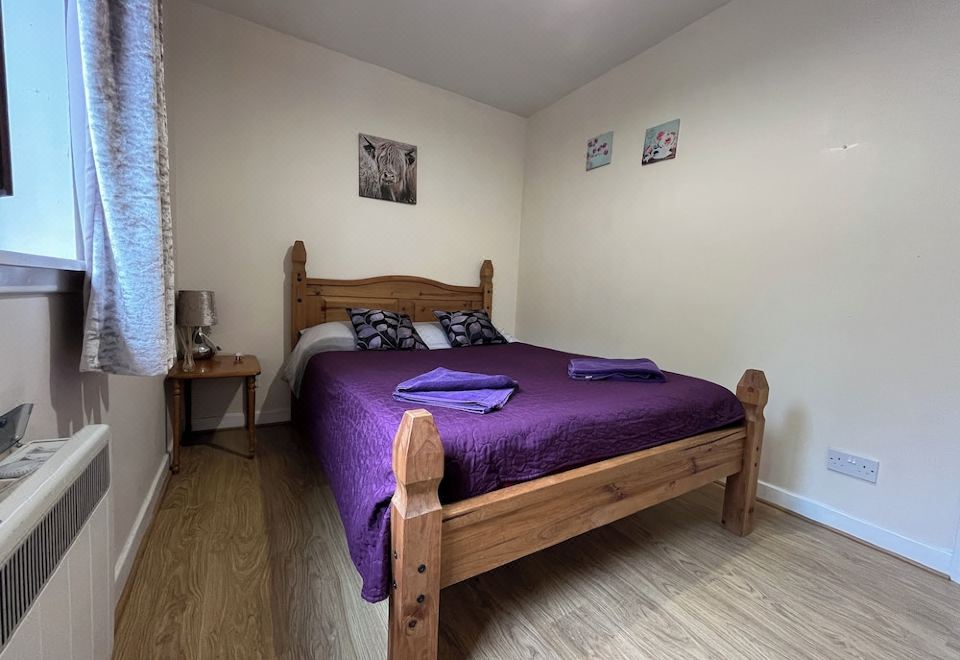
(434, 546)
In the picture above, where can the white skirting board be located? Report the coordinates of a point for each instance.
(941, 560)
(128, 553)
(955, 564)
(236, 420)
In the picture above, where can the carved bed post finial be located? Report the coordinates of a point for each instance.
(415, 523)
(486, 283)
(298, 288)
(740, 497)
(299, 255)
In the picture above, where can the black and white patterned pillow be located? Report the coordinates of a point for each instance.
(469, 328)
(383, 330)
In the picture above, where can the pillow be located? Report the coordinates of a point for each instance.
(433, 335)
(469, 328)
(383, 330)
(332, 336)
(337, 335)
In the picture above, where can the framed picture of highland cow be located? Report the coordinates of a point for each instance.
(661, 142)
(388, 170)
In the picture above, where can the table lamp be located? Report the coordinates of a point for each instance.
(196, 312)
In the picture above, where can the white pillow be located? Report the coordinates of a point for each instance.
(332, 336)
(338, 335)
(432, 335)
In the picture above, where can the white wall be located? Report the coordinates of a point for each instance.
(835, 272)
(263, 131)
(40, 354)
(39, 218)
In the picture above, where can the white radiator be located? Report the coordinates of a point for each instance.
(55, 563)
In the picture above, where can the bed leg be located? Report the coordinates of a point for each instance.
(415, 524)
(739, 499)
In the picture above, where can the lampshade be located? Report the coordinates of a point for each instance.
(196, 308)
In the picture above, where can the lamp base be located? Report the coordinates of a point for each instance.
(195, 344)
(203, 346)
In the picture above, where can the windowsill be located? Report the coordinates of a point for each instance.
(38, 261)
(26, 274)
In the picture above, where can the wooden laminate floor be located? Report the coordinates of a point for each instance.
(247, 559)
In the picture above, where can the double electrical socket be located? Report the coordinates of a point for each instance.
(852, 465)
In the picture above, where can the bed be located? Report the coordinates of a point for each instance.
(562, 458)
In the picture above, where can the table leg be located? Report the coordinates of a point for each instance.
(177, 431)
(251, 413)
(188, 407)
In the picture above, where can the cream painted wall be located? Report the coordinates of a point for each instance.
(835, 272)
(40, 354)
(263, 131)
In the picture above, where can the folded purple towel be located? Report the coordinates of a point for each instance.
(460, 390)
(641, 369)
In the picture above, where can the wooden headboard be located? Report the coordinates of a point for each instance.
(314, 301)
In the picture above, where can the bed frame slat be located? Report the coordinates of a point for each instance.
(486, 532)
(531, 492)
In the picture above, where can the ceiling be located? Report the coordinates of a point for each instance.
(517, 55)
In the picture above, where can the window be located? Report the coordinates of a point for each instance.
(6, 172)
(39, 221)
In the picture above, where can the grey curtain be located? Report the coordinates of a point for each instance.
(125, 203)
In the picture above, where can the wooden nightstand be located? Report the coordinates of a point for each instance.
(219, 366)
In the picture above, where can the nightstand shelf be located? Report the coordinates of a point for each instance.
(219, 366)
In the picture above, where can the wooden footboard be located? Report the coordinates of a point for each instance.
(434, 546)
(740, 495)
(415, 520)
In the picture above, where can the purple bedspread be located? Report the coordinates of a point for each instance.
(552, 423)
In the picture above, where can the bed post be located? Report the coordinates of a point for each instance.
(298, 285)
(739, 499)
(486, 283)
(415, 524)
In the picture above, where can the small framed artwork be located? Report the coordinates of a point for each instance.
(388, 170)
(661, 142)
(599, 151)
